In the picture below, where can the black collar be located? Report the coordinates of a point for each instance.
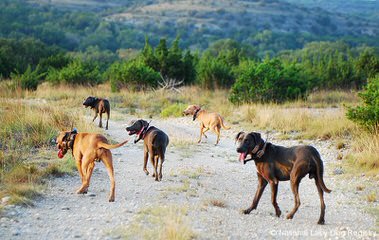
(195, 115)
(70, 139)
(258, 153)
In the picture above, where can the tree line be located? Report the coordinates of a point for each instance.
(225, 64)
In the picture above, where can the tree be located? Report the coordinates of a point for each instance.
(367, 114)
(161, 53)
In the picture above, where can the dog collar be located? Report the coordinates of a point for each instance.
(257, 154)
(195, 115)
(142, 133)
(70, 140)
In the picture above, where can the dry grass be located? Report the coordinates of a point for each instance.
(216, 203)
(158, 222)
(321, 116)
(371, 197)
(364, 156)
(27, 145)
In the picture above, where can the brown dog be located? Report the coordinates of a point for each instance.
(155, 144)
(100, 106)
(86, 149)
(207, 120)
(277, 163)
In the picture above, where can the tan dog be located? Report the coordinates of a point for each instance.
(86, 149)
(207, 120)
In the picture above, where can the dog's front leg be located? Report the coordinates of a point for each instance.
(94, 116)
(262, 183)
(201, 132)
(84, 168)
(145, 157)
(274, 193)
(79, 167)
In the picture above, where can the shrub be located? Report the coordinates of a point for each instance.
(367, 115)
(76, 72)
(214, 73)
(29, 79)
(268, 81)
(174, 110)
(134, 75)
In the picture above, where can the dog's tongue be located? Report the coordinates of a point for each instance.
(242, 157)
(60, 153)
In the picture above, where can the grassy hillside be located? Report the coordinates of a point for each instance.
(363, 8)
(272, 25)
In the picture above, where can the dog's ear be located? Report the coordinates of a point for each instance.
(65, 136)
(238, 136)
(257, 138)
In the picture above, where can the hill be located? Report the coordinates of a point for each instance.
(269, 26)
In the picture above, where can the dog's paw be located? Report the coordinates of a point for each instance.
(278, 213)
(81, 191)
(246, 211)
(289, 216)
(111, 199)
(321, 222)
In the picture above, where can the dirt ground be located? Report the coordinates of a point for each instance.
(207, 181)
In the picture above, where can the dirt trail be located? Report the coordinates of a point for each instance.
(212, 172)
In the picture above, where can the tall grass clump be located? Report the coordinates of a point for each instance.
(27, 132)
(159, 222)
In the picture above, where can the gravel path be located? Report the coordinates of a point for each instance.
(195, 175)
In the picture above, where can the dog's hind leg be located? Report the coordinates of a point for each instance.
(162, 158)
(321, 194)
(216, 129)
(145, 157)
(101, 120)
(274, 192)
(108, 162)
(154, 162)
(299, 170)
(262, 183)
(106, 126)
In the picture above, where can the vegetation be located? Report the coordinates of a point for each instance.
(367, 115)
(27, 136)
(160, 222)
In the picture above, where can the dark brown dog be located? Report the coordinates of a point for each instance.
(100, 106)
(155, 144)
(277, 163)
(86, 149)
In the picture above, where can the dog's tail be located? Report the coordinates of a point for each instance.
(222, 124)
(111, 146)
(320, 173)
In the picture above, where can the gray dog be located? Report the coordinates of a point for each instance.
(277, 163)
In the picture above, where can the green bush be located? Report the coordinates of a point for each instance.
(214, 73)
(174, 110)
(268, 81)
(76, 72)
(367, 115)
(29, 79)
(134, 74)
